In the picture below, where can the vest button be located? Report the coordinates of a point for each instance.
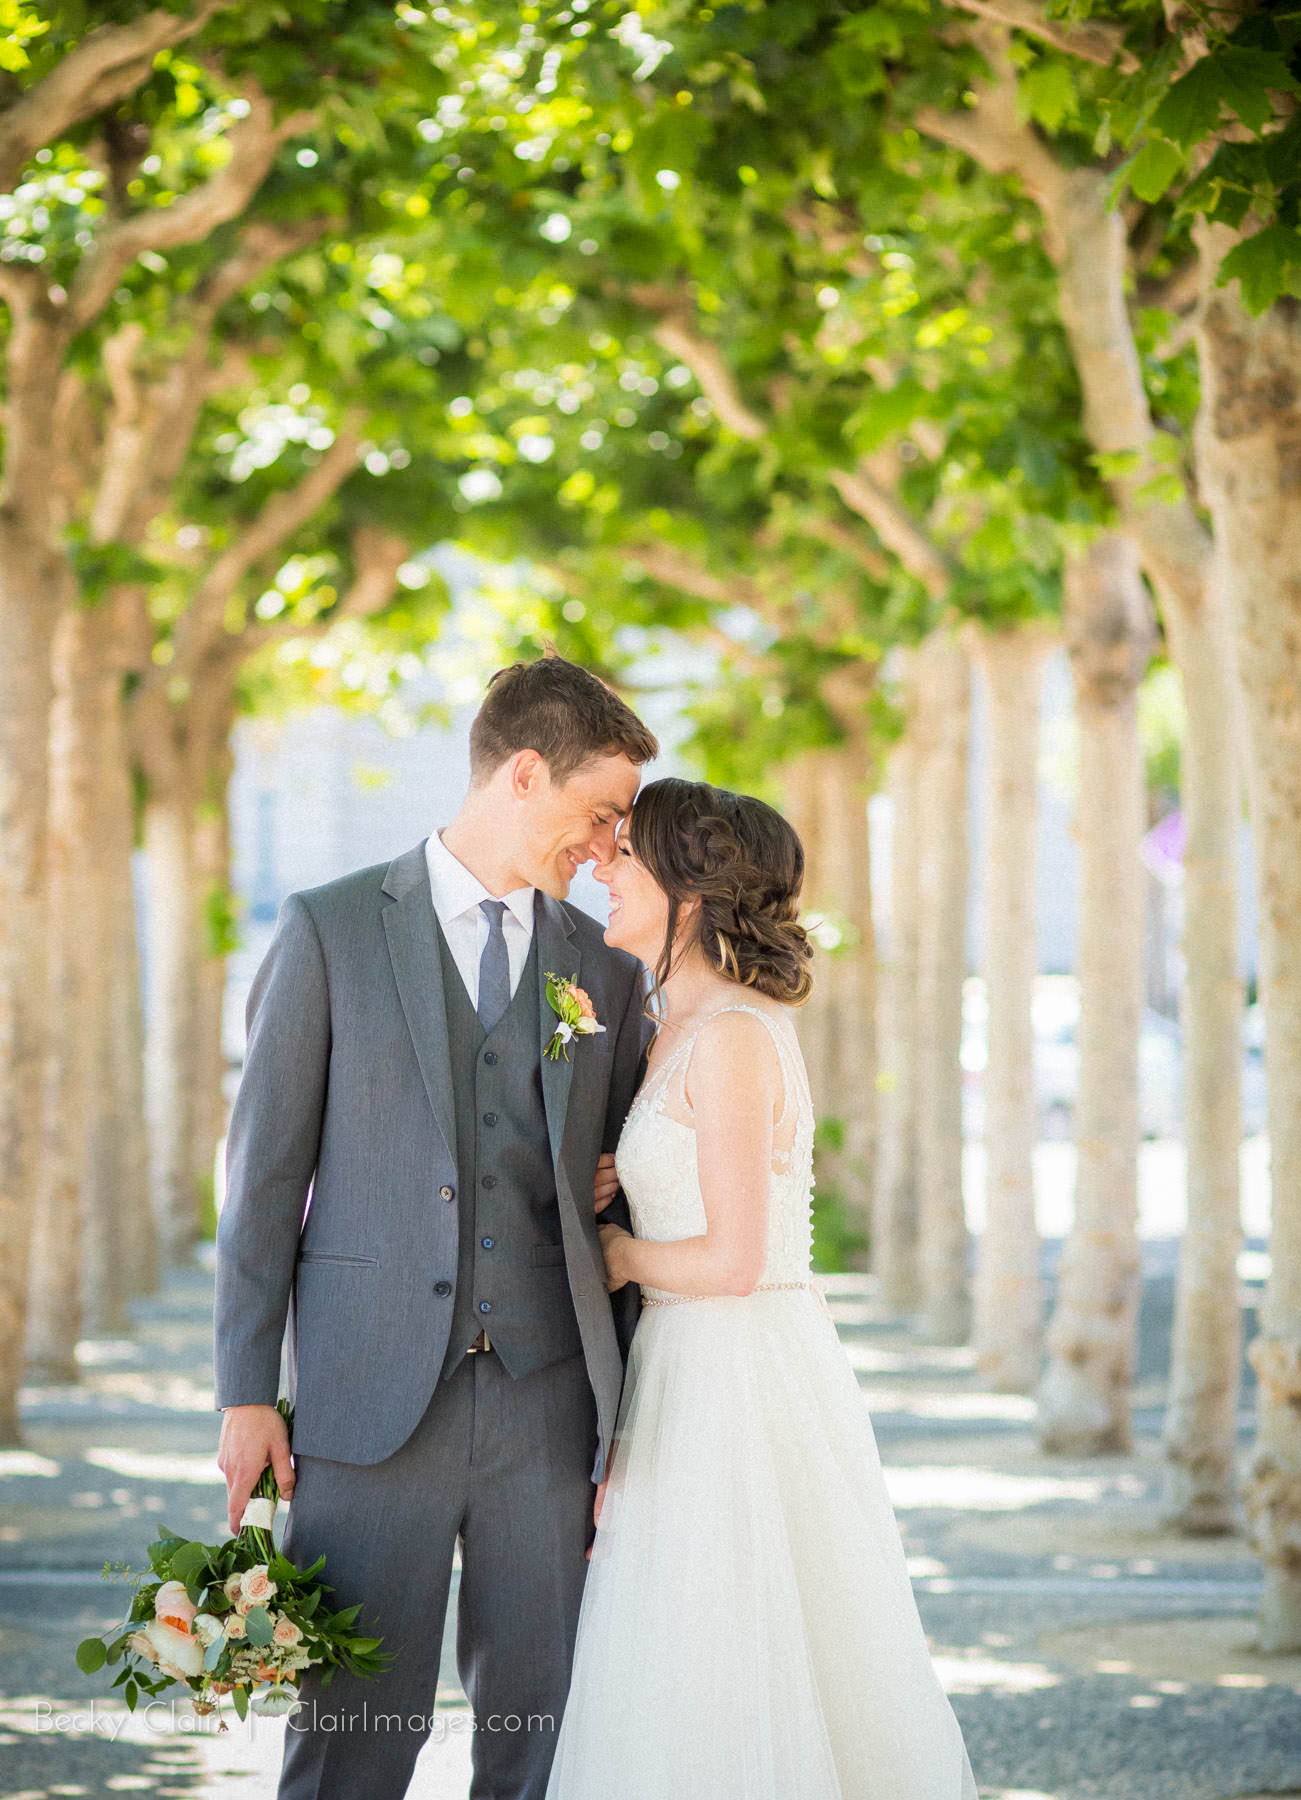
(487, 1242)
(442, 1287)
(490, 1056)
(485, 1306)
(489, 1181)
(447, 1193)
(490, 1118)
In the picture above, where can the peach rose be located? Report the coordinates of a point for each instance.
(256, 1587)
(285, 1632)
(173, 1604)
(584, 1003)
(235, 1626)
(230, 1586)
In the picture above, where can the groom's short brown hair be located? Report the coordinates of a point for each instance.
(565, 713)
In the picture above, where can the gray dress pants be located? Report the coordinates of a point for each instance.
(505, 1465)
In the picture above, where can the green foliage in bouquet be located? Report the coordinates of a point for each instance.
(235, 1617)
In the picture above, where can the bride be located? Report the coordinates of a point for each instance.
(747, 1631)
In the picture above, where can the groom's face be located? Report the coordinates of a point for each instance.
(566, 823)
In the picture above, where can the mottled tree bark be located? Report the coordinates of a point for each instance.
(1084, 1397)
(1008, 1296)
(1250, 458)
(895, 1258)
(943, 685)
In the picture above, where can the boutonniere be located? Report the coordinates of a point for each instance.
(575, 1011)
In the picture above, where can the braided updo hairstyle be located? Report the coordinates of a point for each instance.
(745, 864)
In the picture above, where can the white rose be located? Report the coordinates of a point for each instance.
(179, 1654)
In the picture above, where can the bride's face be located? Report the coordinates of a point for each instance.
(639, 908)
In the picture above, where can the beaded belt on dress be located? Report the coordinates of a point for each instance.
(761, 1287)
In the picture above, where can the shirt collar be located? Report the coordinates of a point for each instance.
(456, 890)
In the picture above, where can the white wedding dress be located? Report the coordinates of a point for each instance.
(748, 1630)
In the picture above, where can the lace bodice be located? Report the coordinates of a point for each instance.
(656, 1158)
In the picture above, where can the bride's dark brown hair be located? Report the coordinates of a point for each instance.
(744, 863)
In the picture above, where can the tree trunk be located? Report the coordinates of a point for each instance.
(186, 763)
(212, 872)
(1201, 1423)
(1008, 1289)
(847, 861)
(943, 720)
(33, 582)
(1249, 440)
(1084, 1397)
(121, 1236)
(75, 919)
(894, 1220)
(171, 1001)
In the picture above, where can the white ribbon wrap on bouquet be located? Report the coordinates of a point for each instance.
(259, 1513)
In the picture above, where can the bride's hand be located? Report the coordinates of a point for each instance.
(607, 1182)
(611, 1249)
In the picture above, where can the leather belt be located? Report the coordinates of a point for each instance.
(480, 1343)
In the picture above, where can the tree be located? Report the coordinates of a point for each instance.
(1090, 247)
(126, 226)
(1206, 101)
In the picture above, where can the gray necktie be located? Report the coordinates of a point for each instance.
(494, 967)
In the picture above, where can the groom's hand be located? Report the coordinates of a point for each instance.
(252, 1437)
(607, 1182)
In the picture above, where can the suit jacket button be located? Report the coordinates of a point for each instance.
(485, 1306)
(490, 1057)
(487, 1242)
(490, 1118)
(447, 1193)
(442, 1287)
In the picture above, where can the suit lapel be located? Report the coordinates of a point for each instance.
(557, 955)
(412, 933)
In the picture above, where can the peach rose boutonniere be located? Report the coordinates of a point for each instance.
(575, 1011)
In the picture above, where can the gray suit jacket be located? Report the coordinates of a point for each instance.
(346, 1092)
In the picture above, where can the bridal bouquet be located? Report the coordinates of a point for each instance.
(233, 1618)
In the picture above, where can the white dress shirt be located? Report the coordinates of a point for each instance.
(457, 894)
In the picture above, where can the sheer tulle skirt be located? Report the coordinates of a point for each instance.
(748, 1630)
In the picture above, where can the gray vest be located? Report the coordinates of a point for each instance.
(510, 1256)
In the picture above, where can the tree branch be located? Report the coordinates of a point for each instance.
(204, 621)
(253, 141)
(107, 64)
(895, 527)
(152, 422)
(704, 358)
(377, 555)
(1092, 40)
(1087, 244)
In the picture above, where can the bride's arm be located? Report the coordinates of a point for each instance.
(735, 1086)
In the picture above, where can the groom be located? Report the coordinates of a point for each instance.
(455, 1360)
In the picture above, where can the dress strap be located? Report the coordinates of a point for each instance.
(783, 1050)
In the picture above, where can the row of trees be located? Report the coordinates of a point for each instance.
(857, 342)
